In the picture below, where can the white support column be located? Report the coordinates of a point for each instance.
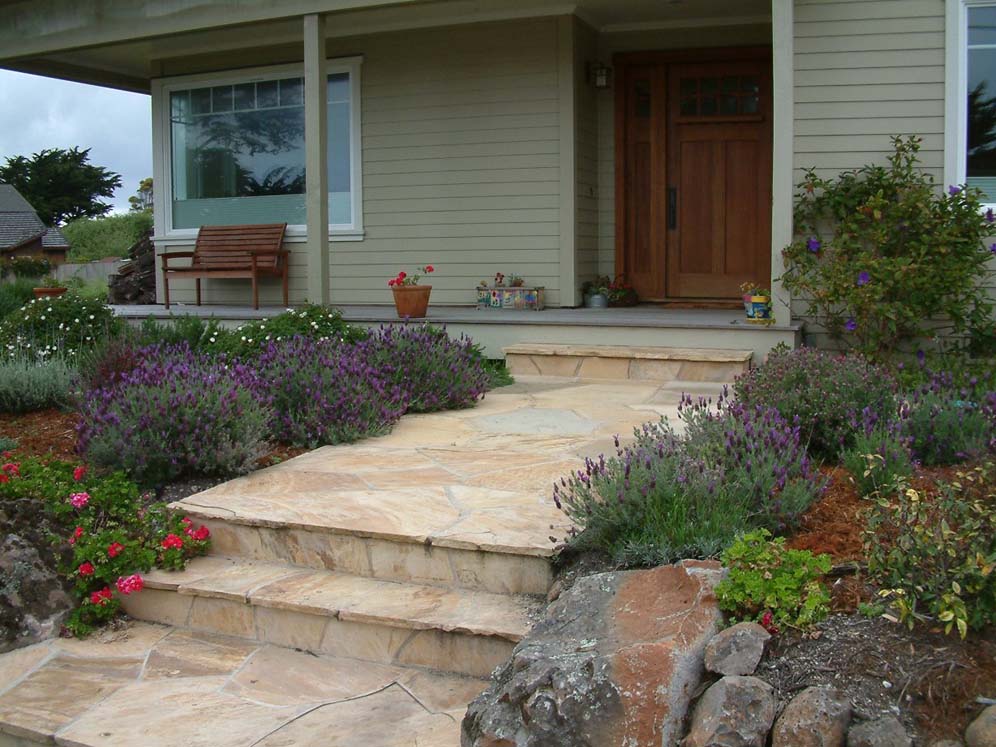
(568, 171)
(315, 150)
(782, 186)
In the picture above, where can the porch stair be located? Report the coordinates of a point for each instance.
(658, 364)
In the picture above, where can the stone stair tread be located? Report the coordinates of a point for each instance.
(707, 355)
(353, 598)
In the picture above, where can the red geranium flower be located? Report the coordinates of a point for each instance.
(102, 597)
(86, 569)
(76, 535)
(12, 469)
(3, 477)
(201, 534)
(114, 549)
(79, 473)
(430, 268)
(402, 275)
(130, 584)
(172, 541)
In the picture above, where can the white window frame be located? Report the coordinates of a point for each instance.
(955, 87)
(162, 146)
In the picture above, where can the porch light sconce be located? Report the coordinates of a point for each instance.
(599, 75)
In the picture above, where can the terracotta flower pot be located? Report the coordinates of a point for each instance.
(411, 300)
(47, 292)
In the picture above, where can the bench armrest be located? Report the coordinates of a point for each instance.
(167, 256)
(264, 252)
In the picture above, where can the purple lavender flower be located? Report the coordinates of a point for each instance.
(863, 278)
(953, 190)
(851, 324)
(990, 217)
(814, 244)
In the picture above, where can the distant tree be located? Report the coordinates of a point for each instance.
(141, 201)
(61, 185)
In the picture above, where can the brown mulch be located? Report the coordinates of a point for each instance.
(46, 433)
(833, 524)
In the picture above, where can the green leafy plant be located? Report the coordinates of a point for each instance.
(27, 384)
(933, 555)
(64, 325)
(773, 584)
(825, 393)
(113, 535)
(26, 268)
(200, 334)
(877, 457)
(14, 294)
(884, 258)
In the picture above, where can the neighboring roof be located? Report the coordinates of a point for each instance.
(11, 201)
(19, 223)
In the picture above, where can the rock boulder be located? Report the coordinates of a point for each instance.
(816, 717)
(736, 711)
(736, 650)
(615, 662)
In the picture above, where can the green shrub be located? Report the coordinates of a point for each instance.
(92, 290)
(108, 236)
(316, 322)
(934, 555)
(772, 584)
(877, 457)
(7, 444)
(113, 534)
(29, 268)
(671, 496)
(27, 384)
(200, 334)
(824, 392)
(882, 254)
(14, 294)
(63, 325)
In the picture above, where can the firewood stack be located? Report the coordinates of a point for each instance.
(135, 281)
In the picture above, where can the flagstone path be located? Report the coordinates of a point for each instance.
(356, 595)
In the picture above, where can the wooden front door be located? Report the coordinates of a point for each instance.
(693, 179)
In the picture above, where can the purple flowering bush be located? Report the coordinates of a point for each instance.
(824, 393)
(883, 257)
(675, 494)
(327, 392)
(879, 453)
(434, 371)
(177, 412)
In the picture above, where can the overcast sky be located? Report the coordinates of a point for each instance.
(38, 113)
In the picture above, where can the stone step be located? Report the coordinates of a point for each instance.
(627, 362)
(454, 630)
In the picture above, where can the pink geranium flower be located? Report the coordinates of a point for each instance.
(79, 500)
(130, 584)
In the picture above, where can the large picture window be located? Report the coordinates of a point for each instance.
(980, 166)
(236, 150)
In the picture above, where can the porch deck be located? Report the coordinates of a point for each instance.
(496, 329)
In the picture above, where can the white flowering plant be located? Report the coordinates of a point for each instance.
(312, 321)
(65, 325)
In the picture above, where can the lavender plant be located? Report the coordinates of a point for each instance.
(669, 495)
(821, 392)
(327, 392)
(177, 412)
(434, 371)
(945, 423)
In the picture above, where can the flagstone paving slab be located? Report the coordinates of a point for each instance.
(154, 685)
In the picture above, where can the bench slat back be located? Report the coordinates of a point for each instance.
(224, 247)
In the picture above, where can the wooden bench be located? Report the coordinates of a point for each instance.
(232, 252)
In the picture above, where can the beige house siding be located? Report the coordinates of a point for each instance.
(460, 144)
(635, 41)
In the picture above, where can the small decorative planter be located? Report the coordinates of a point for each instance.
(411, 301)
(624, 298)
(49, 292)
(531, 299)
(596, 301)
(758, 309)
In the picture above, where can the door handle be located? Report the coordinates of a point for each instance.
(672, 208)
